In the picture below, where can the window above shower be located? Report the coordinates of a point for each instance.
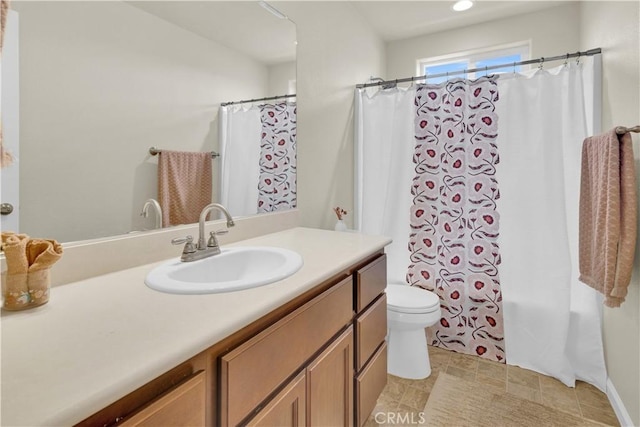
(456, 62)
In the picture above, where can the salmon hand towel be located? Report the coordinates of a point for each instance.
(184, 186)
(42, 254)
(608, 214)
(14, 281)
(26, 282)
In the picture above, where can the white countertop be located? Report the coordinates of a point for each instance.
(101, 338)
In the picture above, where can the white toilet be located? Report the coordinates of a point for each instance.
(409, 311)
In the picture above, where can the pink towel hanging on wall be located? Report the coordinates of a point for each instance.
(184, 186)
(608, 212)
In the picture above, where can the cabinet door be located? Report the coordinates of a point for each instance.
(256, 369)
(287, 409)
(182, 406)
(330, 384)
(369, 384)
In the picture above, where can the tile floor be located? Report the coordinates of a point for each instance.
(410, 396)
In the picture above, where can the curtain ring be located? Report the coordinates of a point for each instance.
(578, 60)
(514, 68)
(541, 63)
(566, 61)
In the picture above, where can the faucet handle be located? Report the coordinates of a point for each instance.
(213, 241)
(189, 247)
(181, 240)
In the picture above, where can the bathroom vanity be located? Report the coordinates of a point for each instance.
(307, 350)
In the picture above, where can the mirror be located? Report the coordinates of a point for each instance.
(103, 82)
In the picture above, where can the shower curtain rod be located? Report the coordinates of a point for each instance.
(540, 61)
(224, 104)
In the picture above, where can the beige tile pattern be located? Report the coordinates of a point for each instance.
(405, 399)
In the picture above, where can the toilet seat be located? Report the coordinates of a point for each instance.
(412, 300)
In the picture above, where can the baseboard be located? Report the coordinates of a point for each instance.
(618, 406)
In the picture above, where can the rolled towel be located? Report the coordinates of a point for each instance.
(14, 247)
(42, 254)
(14, 281)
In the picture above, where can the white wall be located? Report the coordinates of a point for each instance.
(551, 32)
(336, 50)
(279, 77)
(614, 26)
(101, 82)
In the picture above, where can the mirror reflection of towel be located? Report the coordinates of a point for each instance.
(608, 215)
(184, 186)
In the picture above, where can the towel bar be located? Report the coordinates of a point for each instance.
(621, 130)
(154, 151)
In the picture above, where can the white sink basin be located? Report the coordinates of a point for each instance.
(233, 269)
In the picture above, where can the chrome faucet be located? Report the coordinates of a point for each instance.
(156, 206)
(204, 248)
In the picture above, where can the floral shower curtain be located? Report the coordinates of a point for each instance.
(258, 158)
(551, 322)
(277, 185)
(454, 223)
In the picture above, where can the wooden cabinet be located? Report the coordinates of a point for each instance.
(318, 360)
(370, 282)
(321, 395)
(184, 405)
(330, 384)
(288, 408)
(371, 330)
(369, 384)
(258, 367)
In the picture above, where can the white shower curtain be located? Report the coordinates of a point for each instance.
(552, 322)
(240, 135)
(383, 188)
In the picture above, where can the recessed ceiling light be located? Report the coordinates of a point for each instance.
(462, 5)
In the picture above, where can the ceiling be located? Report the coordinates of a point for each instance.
(271, 40)
(265, 37)
(396, 20)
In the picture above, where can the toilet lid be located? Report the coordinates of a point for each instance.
(409, 299)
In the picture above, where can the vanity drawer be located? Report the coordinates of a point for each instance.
(369, 385)
(371, 280)
(255, 369)
(184, 405)
(371, 330)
